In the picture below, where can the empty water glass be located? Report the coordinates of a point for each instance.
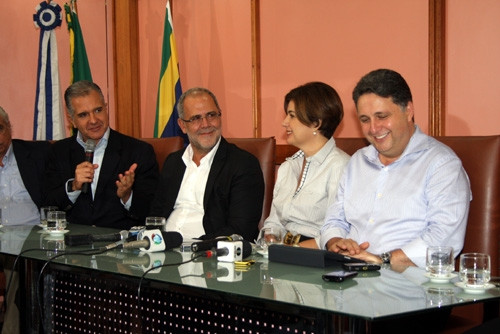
(439, 261)
(475, 269)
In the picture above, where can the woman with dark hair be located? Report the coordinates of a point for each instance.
(307, 181)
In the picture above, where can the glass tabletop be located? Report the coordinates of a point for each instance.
(370, 295)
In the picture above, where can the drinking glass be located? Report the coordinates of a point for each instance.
(44, 210)
(56, 221)
(268, 236)
(475, 269)
(439, 261)
(156, 223)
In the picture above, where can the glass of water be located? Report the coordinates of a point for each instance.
(56, 221)
(475, 269)
(44, 210)
(439, 261)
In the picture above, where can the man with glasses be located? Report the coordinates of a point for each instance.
(121, 176)
(211, 188)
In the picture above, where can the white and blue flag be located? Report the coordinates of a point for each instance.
(49, 117)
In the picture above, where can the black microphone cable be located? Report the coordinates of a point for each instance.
(38, 296)
(193, 258)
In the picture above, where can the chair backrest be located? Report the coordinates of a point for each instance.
(351, 145)
(164, 146)
(264, 150)
(348, 145)
(480, 157)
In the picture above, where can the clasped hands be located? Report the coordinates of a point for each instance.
(84, 173)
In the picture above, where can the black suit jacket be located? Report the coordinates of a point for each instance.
(31, 157)
(234, 192)
(106, 209)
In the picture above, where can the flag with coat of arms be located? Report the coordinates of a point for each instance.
(49, 120)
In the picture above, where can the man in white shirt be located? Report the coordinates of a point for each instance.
(211, 188)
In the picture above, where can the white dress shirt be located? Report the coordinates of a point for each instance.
(302, 209)
(187, 217)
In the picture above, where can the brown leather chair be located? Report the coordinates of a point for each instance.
(348, 145)
(164, 146)
(480, 157)
(263, 149)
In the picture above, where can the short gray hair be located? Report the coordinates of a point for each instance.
(5, 116)
(194, 91)
(78, 89)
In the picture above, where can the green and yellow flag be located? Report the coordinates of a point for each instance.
(80, 69)
(169, 88)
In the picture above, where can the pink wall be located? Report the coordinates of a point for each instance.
(332, 41)
(473, 67)
(19, 41)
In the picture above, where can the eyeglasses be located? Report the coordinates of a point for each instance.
(197, 119)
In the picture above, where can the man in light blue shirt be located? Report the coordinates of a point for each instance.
(404, 192)
(22, 165)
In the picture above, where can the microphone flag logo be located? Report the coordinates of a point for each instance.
(156, 238)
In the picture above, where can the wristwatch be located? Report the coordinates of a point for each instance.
(386, 257)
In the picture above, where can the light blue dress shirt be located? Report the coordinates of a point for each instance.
(17, 207)
(420, 200)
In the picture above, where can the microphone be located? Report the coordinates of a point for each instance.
(87, 239)
(89, 157)
(230, 251)
(155, 241)
(209, 244)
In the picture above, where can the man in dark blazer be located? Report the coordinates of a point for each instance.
(211, 188)
(121, 178)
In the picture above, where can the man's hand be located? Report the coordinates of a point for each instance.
(84, 173)
(125, 182)
(346, 246)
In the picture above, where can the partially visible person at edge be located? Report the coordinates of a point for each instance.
(122, 176)
(404, 192)
(216, 189)
(22, 167)
(307, 181)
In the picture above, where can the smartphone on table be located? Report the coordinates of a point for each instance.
(339, 275)
(361, 266)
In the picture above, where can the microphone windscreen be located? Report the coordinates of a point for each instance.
(247, 249)
(90, 145)
(172, 239)
(77, 239)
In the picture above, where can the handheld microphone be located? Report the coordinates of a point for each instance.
(209, 244)
(155, 241)
(89, 157)
(230, 251)
(87, 239)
